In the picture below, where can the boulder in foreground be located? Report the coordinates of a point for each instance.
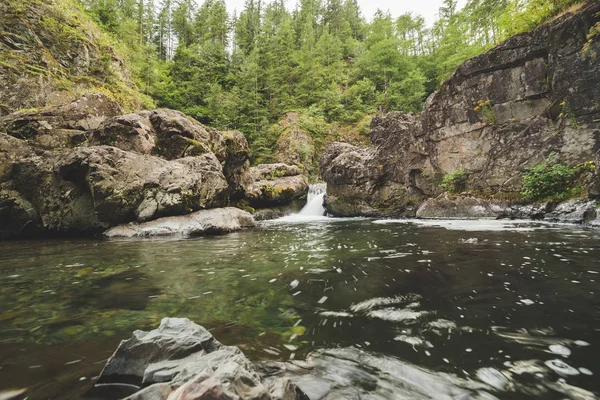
(183, 361)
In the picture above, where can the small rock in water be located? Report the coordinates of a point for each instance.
(290, 347)
(561, 368)
(586, 371)
(322, 300)
(560, 350)
(294, 284)
(527, 302)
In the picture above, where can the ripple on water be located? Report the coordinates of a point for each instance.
(383, 301)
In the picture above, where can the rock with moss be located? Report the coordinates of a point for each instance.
(462, 207)
(89, 189)
(236, 163)
(11, 151)
(52, 53)
(180, 136)
(274, 184)
(129, 132)
(63, 126)
(294, 145)
(357, 184)
(171, 134)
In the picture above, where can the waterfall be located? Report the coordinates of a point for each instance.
(314, 201)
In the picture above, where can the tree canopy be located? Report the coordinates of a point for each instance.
(246, 70)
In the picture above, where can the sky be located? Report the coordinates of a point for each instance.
(427, 8)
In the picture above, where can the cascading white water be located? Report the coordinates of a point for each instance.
(314, 201)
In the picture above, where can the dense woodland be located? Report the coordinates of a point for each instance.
(244, 70)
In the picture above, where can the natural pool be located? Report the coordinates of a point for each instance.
(513, 307)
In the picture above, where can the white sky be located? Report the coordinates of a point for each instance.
(426, 8)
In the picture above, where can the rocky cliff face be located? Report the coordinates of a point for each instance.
(85, 166)
(51, 53)
(534, 95)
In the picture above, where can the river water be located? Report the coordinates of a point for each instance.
(509, 310)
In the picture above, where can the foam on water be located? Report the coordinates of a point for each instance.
(472, 225)
(313, 210)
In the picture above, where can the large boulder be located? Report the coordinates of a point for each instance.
(183, 361)
(171, 135)
(180, 136)
(93, 188)
(62, 126)
(358, 184)
(217, 221)
(498, 114)
(129, 132)
(275, 184)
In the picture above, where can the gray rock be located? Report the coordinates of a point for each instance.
(236, 163)
(216, 221)
(350, 373)
(61, 126)
(129, 132)
(11, 151)
(359, 184)
(461, 207)
(274, 184)
(93, 188)
(182, 361)
(573, 212)
(180, 136)
(174, 339)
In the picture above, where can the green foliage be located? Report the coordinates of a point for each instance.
(246, 71)
(455, 181)
(486, 110)
(554, 181)
(522, 16)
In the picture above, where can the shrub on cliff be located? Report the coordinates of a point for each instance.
(553, 181)
(455, 181)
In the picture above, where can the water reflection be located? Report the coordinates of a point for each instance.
(513, 312)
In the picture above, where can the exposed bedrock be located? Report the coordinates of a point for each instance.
(85, 167)
(543, 96)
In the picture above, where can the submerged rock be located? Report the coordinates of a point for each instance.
(216, 221)
(183, 361)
